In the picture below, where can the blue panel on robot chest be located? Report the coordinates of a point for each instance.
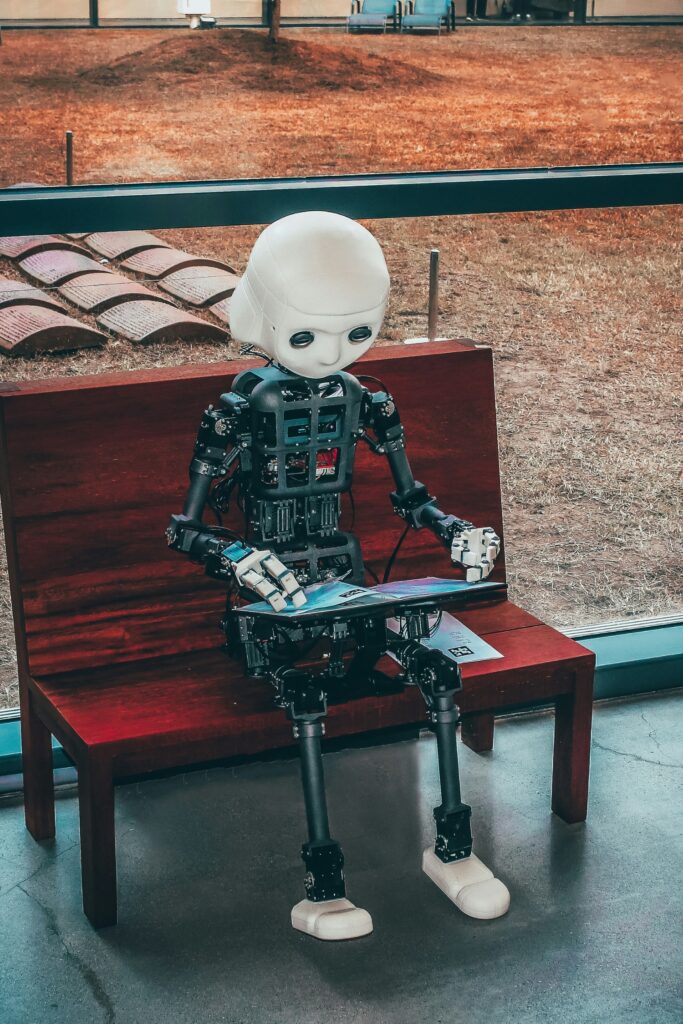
(330, 424)
(297, 425)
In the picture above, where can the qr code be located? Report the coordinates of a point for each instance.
(460, 652)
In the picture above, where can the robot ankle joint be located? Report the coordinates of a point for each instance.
(324, 878)
(453, 838)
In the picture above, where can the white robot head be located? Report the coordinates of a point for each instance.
(313, 294)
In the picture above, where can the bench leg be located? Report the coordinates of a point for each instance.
(476, 731)
(571, 758)
(98, 844)
(39, 793)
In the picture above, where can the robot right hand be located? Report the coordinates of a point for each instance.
(476, 549)
(265, 574)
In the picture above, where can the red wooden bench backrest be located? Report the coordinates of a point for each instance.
(92, 468)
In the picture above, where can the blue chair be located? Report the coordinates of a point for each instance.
(429, 15)
(375, 14)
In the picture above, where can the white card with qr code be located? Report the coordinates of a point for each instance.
(453, 639)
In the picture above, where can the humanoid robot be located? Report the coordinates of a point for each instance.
(282, 443)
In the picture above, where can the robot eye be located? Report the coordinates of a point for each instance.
(360, 334)
(301, 339)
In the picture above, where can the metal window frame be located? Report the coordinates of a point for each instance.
(196, 204)
(581, 17)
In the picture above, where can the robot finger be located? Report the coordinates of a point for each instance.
(486, 567)
(285, 579)
(254, 581)
(458, 547)
(492, 540)
(492, 553)
(471, 558)
(473, 575)
(479, 572)
(294, 591)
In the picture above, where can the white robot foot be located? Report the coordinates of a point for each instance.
(469, 884)
(331, 920)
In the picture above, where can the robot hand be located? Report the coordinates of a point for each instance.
(477, 550)
(264, 573)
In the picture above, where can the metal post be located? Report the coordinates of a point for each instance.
(433, 294)
(69, 158)
(274, 22)
(94, 14)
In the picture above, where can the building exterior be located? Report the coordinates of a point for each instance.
(252, 11)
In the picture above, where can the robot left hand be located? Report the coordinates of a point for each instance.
(476, 549)
(264, 574)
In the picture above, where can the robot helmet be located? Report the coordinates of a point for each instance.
(313, 294)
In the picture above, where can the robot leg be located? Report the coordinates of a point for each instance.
(325, 913)
(450, 863)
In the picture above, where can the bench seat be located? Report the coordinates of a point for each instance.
(201, 702)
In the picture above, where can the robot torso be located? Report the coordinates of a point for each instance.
(297, 448)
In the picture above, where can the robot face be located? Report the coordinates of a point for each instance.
(313, 295)
(315, 346)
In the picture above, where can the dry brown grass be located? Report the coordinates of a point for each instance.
(582, 309)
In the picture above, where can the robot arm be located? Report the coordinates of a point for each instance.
(474, 548)
(186, 532)
(223, 553)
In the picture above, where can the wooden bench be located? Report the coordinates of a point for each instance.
(117, 637)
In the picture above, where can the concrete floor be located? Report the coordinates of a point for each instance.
(209, 869)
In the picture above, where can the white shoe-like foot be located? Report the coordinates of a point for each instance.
(331, 919)
(469, 884)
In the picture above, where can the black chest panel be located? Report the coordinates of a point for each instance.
(297, 463)
(303, 432)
